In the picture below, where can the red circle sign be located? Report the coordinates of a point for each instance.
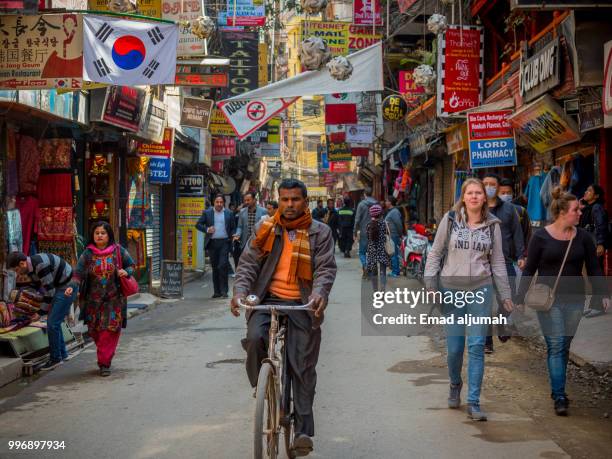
(256, 111)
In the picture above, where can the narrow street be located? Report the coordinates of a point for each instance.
(179, 390)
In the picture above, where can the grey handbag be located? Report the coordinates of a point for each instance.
(540, 297)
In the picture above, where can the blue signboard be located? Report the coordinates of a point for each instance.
(492, 153)
(324, 162)
(160, 170)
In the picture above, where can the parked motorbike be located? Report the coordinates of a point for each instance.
(414, 249)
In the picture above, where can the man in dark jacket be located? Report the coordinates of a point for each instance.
(362, 218)
(218, 225)
(319, 212)
(268, 270)
(331, 220)
(395, 222)
(346, 220)
(505, 193)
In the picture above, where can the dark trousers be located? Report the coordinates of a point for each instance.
(236, 252)
(501, 310)
(346, 239)
(302, 347)
(218, 250)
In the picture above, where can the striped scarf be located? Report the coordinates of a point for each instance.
(300, 267)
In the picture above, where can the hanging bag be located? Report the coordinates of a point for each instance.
(128, 284)
(389, 244)
(540, 297)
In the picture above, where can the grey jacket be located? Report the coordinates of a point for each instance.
(396, 222)
(254, 273)
(362, 217)
(243, 223)
(511, 231)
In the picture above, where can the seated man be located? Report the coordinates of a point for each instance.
(290, 259)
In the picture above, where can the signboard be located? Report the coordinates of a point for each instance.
(324, 165)
(457, 139)
(270, 150)
(208, 80)
(152, 123)
(540, 72)
(41, 51)
(394, 108)
(242, 48)
(409, 89)
(160, 170)
(190, 185)
(367, 12)
(190, 241)
(189, 210)
(341, 37)
(247, 115)
(196, 112)
(150, 8)
(558, 5)
(163, 149)
(171, 284)
(417, 142)
(246, 13)
(544, 125)
(339, 166)
(223, 147)
(274, 131)
(219, 125)
(360, 133)
(491, 139)
(183, 12)
(123, 107)
(337, 148)
(18, 6)
(460, 69)
(590, 112)
(607, 85)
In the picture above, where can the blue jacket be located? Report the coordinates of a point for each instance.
(395, 221)
(243, 223)
(208, 219)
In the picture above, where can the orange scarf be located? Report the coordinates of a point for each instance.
(300, 259)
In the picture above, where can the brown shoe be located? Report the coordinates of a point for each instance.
(105, 371)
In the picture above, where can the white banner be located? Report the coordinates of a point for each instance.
(359, 133)
(128, 53)
(246, 116)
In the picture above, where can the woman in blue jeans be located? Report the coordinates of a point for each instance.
(467, 254)
(545, 255)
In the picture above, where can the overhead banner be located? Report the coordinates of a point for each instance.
(245, 12)
(182, 12)
(196, 112)
(544, 125)
(122, 52)
(367, 12)
(342, 38)
(491, 139)
(123, 107)
(460, 69)
(246, 116)
(41, 51)
(360, 133)
(409, 89)
(242, 48)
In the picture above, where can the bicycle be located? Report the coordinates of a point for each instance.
(274, 400)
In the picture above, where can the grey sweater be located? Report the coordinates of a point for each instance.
(395, 221)
(362, 217)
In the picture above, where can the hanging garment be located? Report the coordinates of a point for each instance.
(28, 210)
(140, 214)
(137, 248)
(550, 182)
(29, 165)
(55, 224)
(14, 234)
(55, 153)
(535, 207)
(12, 180)
(55, 190)
(62, 249)
(582, 176)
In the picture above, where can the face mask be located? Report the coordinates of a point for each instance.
(505, 197)
(491, 191)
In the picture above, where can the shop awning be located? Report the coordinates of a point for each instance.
(396, 147)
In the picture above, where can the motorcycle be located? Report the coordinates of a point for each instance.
(414, 249)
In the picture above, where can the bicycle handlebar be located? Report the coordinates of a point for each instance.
(277, 307)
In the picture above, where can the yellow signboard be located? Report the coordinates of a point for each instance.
(219, 125)
(341, 37)
(189, 211)
(150, 8)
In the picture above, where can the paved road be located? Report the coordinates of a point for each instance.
(179, 390)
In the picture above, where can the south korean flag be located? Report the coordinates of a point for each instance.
(128, 53)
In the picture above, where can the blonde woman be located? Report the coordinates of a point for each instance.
(467, 255)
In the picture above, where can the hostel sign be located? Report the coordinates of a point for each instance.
(491, 139)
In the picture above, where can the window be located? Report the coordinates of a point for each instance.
(311, 142)
(311, 108)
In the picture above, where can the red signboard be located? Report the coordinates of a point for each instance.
(365, 11)
(408, 87)
(223, 147)
(211, 80)
(490, 125)
(159, 149)
(460, 71)
(360, 152)
(339, 166)
(252, 21)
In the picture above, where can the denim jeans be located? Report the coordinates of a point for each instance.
(60, 307)
(363, 248)
(559, 325)
(476, 335)
(395, 259)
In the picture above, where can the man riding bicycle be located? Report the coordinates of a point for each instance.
(289, 260)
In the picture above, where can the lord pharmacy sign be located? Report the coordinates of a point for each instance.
(491, 139)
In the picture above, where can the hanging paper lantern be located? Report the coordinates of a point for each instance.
(122, 6)
(340, 68)
(203, 27)
(394, 108)
(437, 23)
(313, 6)
(424, 75)
(314, 53)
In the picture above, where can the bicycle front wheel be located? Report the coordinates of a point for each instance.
(266, 429)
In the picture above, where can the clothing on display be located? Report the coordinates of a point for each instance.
(137, 247)
(140, 214)
(29, 166)
(55, 190)
(535, 207)
(55, 153)
(55, 224)
(14, 234)
(552, 180)
(28, 210)
(63, 249)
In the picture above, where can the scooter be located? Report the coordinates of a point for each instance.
(414, 249)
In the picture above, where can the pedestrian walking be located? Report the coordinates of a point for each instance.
(346, 221)
(248, 216)
(468, 240)
(377, 258)
(103, 305)
(290, 261)
(331, 220)
(512, 244)
(319, 212)
(506, 194)
(218, 224)
(362, 218)
(395, 222)
(558, 253)
(271, 207)
(53, 274)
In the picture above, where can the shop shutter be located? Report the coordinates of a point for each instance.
(154, 233)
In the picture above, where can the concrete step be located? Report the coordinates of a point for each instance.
(10, 370)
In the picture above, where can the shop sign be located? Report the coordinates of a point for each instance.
(324, 164)
(149, 8)
(460, 69)
(196, 112)
(246, 12)
(18, 6)
(360, 133)
(317, 191)
(491, 139)
(190, 240)
(268, 150)
(590, 112)
(160, 170)
(337, 147)
(457, 139)
(242, 48)
(409, 89)
(190, 185)
(163, 149)
(361, 37)
(540, 72)
(418, 143)
(202, 80)
(182, 12)
(341, 37)
(339, 166)
(123, 107)
(219, 125)
(558, 5)
(394, 108)
(274, 131)
(153, 122)
(223, 147)
(544, 125)
(607, 85)
(42, 51)
(367, 12)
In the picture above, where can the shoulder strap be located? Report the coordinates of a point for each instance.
(119, 257)
(564, 260)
